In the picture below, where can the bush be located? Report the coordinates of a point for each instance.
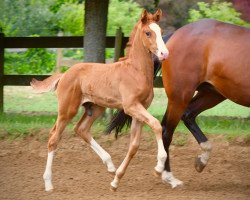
(223, 11)
(31, 61)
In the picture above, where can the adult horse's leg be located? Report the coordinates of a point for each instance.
(92, 112)
(206, 98)
(66, 112)
(169, 122)
(135, 134)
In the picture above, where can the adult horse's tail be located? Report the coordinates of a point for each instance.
(46, 85)
(121, 119)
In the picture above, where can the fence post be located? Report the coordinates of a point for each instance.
(59, 56)
(1, 70)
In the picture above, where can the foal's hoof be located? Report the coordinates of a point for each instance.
(199, 166)
(156, 173)
(48, 186)
(49, 189)
(111, 173)
(112, 189)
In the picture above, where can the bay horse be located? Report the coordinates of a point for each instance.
(127, 84)
(212, 58)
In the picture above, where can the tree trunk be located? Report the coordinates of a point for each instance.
(96, 13)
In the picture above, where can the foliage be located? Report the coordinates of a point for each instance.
(32, 61)
(77, 54)
(47, 17)
(222, 11)
(26, 17)
(69, 18)
(122, 14)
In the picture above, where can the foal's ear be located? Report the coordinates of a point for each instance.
(157, 15)
(144, 16)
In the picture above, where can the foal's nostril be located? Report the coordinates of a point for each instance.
(164, 54)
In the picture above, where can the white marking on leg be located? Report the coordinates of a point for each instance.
(114, 184)
(47, 176)
(106, 158)
(168, 177)
(161, 157)
(206, 147)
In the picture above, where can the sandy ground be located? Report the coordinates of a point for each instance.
(79, 174)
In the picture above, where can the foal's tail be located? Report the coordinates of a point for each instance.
(47, 85)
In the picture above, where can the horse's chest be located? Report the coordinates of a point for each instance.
(147, 97)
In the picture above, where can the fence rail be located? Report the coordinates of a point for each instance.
(118, 42)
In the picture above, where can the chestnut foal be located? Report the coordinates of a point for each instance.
(127, 84)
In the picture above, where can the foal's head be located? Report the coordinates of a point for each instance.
(151, 34)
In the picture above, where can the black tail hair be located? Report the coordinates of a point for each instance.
(120, 118)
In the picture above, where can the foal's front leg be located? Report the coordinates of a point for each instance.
(133, 147)
(141, 115)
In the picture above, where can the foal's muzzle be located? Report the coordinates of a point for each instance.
(162, 55)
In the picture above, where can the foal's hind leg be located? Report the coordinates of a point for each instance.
(83, 129)
(205, 98)
(135, 134)
(55, 135)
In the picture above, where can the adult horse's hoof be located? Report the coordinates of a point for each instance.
(168, 177)
(199, 166)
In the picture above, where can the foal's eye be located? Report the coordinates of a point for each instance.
(148, 34)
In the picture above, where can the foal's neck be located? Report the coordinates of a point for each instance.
(141, 58)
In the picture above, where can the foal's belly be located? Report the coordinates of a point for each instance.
(104, 101)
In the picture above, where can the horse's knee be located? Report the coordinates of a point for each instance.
(133, 148)
(82, 133)
(188, 117)
(53, 142)
(78, 130)
(156, 126)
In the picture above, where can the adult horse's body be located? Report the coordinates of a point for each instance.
(210, 57)
(127, 85)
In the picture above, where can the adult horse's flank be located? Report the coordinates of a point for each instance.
(210, 57)
(127, 85)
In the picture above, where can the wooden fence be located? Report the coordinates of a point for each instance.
(118, 42)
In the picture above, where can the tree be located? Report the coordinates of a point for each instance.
(124, 18)
(69, 18)
(95, 20)
(223, 11)
(26, 17)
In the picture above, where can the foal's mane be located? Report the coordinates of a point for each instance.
(132, 36)
(130, 41)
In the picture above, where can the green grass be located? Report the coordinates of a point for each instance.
(27, 113)
(226, 108)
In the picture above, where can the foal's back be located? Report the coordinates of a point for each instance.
(214, 52)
